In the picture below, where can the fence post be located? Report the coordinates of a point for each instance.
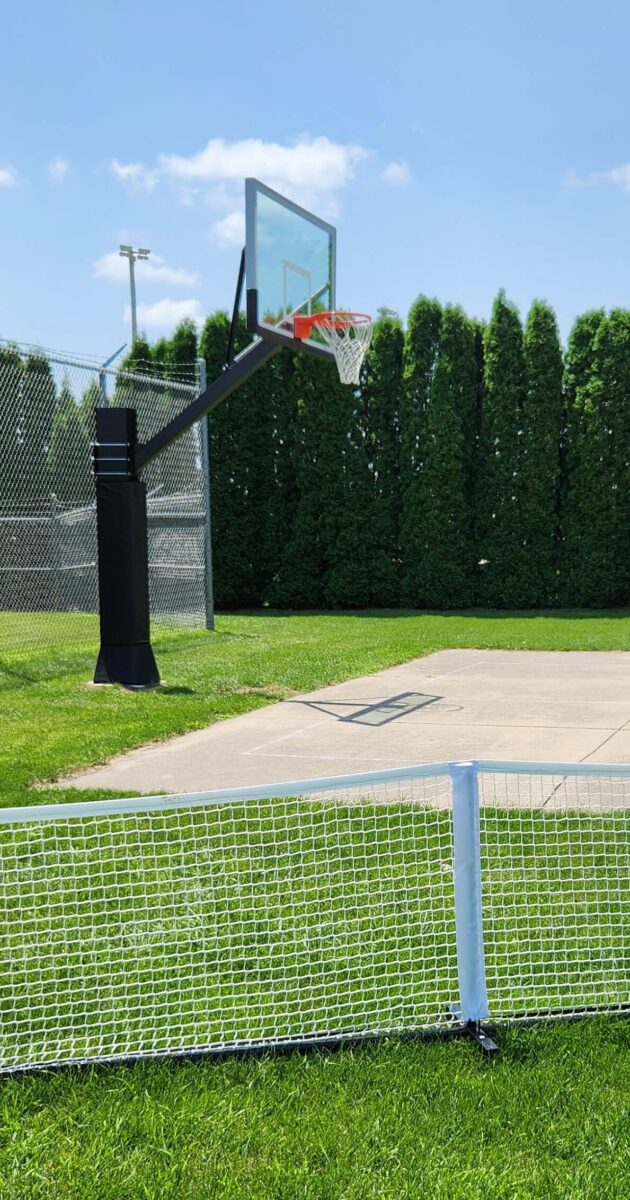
(57, 554)
(471, 972)
(205, 492)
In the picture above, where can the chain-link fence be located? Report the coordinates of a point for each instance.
(48, 551)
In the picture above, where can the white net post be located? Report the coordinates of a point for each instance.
(473, 999)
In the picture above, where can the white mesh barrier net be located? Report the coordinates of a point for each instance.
(226, 924)
(305, 912)
(555, 869)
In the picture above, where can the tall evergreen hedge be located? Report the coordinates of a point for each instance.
(475, 465)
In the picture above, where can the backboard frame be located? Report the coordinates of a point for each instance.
(255, 325)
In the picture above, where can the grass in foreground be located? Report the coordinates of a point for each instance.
(392, 1121)
(548, 1120)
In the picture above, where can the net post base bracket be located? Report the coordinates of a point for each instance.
(475, 1031)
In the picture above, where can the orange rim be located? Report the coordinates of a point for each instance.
(302, 326)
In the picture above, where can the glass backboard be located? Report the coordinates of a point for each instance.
(289, 264)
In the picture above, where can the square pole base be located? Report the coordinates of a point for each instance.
(131, 666)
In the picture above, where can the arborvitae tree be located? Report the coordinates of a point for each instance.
(182, 356)
(381, 389)
(421, 349)
(180, 366)
(91, 399)
(299, 580)
(504, 573)
(11, 387)
(227, 563)
(542, 423)
(282, 492)
(69, 452)
(160, 355)
(241, 472)
(138, 362)
(139, 358)
(346, 516)
(36, 415)
(581, 453)
(596, 516)
(444, 514)
(616, 396)
(257, 400)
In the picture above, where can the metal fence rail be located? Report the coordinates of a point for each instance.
(48, 556)
(418, 899)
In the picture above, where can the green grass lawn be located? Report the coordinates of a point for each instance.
(52, 722)
(385, 1121)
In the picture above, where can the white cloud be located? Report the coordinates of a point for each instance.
(397, 173)
(619, 176)
(58, 169)
(312, 163)
(139, 177)
(8, 176)
(230, 230)
(165, 314)
(310, 170)
(115, 269)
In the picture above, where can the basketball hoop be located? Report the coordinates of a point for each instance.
(347, 333)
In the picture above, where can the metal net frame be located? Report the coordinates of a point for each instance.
(48, 551)
(396, 902)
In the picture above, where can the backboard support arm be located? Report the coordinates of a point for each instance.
(229, 353)
(234, 374)
(126, 655)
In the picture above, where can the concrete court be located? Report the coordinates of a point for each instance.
(455, 704)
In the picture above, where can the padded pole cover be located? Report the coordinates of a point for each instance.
(125, 655)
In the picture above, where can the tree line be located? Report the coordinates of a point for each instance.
(47, 418)
(477, 464)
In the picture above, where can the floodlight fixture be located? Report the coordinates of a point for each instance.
(141, 255)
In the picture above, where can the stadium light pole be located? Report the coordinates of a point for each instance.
(140, 255)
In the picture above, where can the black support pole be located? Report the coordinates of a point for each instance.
(125, 655)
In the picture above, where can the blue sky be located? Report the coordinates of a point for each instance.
(459, 148)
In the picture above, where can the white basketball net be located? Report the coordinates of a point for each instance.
(348, 334)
